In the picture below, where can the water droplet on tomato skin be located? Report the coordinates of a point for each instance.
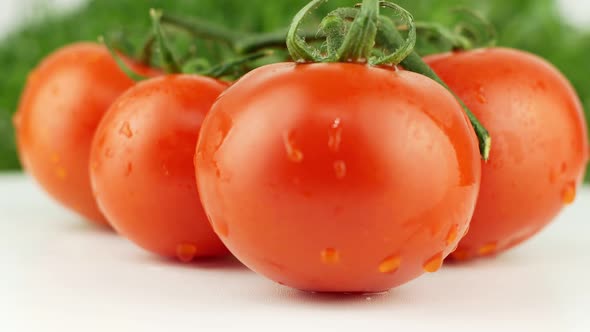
(293, 153)
(390, 264)
(335, 136)
(452, 235)
(481, 95)
(434, 263)
(126, 130)
(221, 228)
(222, 123)
(568, 194)
(488, 249)
(563, 168)
(186, 252)
(129, 169)
(340, 169)
(330, 256)
(165, 169)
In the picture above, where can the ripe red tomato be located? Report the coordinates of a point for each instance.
(338, 177)
(62, 104)
(142, 166)
(540, 143)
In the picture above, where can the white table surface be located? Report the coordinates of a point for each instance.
(58, 273)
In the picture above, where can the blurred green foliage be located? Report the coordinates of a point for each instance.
(532, 25)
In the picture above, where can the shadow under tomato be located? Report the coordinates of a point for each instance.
(283, 295)
(81, 226)
(228, 263)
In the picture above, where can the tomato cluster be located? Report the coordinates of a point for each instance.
(320, 176)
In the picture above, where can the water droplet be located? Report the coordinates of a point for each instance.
(165, 169)
(330, 256)
(129, 169)
(335, 136)
(109, 153)
(186, 252)
(221, 228)
(293, 153)
(340, 169)
(223, 123)
(541, 85)
(216, 168)
(460, 255)
(563, 168)
(390, 264)
(568, 195)
(126, 130)
(434, 263)
(488, 249)
(61, 173)
(452, 235)
(481, 95)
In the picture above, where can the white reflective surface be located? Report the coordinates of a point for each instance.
(59, 274)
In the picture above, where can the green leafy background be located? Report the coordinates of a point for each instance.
(532, 25)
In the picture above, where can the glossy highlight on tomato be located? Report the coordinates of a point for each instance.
(61, 106)
(540, 143)
(338, 177)
(142, 166)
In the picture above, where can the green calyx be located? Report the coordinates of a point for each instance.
(350, 35)
(362, 35)
(168, 61)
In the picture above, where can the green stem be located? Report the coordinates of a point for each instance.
(360, 40)
(475, 27)
(146, 53)
(440, 33)
(267, 40)
(169, 63)
(228, 67)
(391, 37)
(203, 29)
(120, 62)
(298, 48)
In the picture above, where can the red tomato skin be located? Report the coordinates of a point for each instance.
(63, 101)
(540, 143)
(338, 177)
(142, 166)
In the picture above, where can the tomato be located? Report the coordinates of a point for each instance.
(338, 177)
(63, 101)
(540, 143)
(142, 166)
